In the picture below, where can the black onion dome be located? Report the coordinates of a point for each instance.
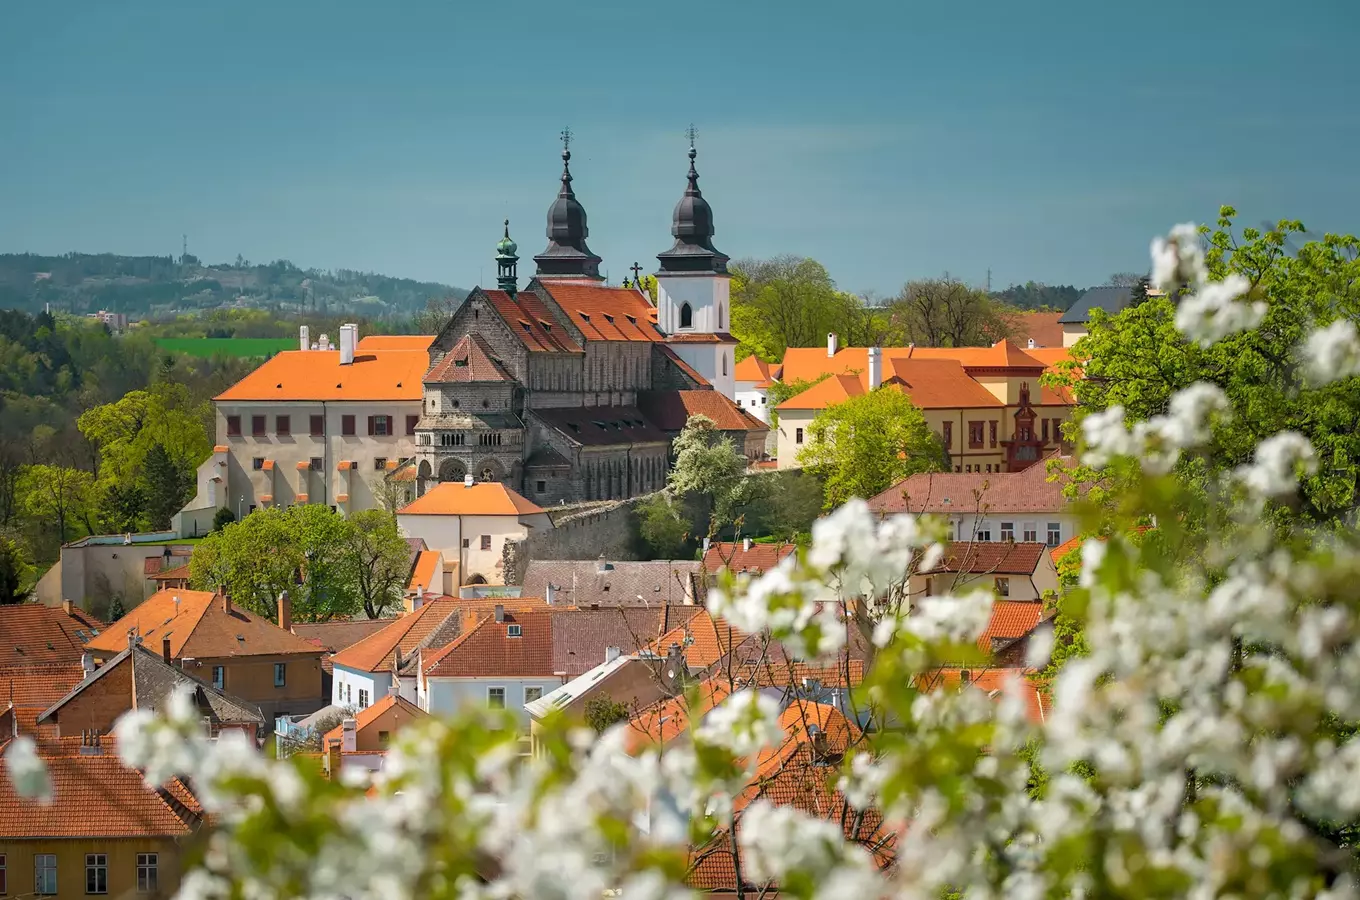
(567, 254)
(692, 227)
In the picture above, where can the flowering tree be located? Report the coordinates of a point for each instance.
(1201, 746)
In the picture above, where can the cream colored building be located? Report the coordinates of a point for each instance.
(1013, 571)
(467, 524)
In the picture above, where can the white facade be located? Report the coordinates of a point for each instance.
(356, 690)
(446, 696)
(753, 399)
(1027, 527)
(699, 304)
(475, 543)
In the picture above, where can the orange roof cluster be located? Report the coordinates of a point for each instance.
(521, 646)
(199, 626)
(406, 711)
(482, 498)
(738, 558)
(705, 640)
(836, 389)
(318, 375)
(34, 634)
(938, 384)
(605, 313)
(670, 410)
(994, 683)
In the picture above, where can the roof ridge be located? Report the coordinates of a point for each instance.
(410, 620)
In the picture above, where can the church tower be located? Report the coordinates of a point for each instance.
(567, 255)
(693, 290)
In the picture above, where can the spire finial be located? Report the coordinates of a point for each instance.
(566, 162)
(691, 132)
(507, 229)
(566, 142)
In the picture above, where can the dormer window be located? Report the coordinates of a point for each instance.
(513, 631)
(632, 319)
(584, 317)
(608, 318)
(686, 316)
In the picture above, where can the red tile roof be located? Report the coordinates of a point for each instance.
(938, 384)
(836, 389)
(1011, 620)
(991, 557)
(1041, 327)
(533, 322)
(32, 634)
(605, 313)
(470, 360)
(376, 652)
(201, 628)
(318, 375)
(489, 649)
(732, 556)
(369, 714)
(483, 498)
(954, 493)
(1065, 548)
(670, 410)
(993, 682)
(38, 685)
(706, 640)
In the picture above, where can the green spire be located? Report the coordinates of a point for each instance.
(506, 263)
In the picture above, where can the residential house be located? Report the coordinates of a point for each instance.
(140, 679)
(986, 404)
(588, 583)
(1014, 571)
(1026, 506)
(1110, 299)
(753, 380)
(97, 569)
(233, 649)
(42, 651)
(747, 557)
(469, 522)
(372, 728)
(332, 637)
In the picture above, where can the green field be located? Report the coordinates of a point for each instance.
(240, 347)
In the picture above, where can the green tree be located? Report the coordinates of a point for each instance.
(15, 570)
(116, 609)
(868, 443)
(222, 518)
(662, 528)
(788, 301)
(602, 712)
(168, 487)
(56, 494)
(120, 508)
(379, 558)
(710, 473)
(945, 312)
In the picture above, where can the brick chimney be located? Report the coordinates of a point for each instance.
(67, 607)
(285, 611)
(165, 651)
(226, 602)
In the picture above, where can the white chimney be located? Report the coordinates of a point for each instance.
(875, 367)
(1032, 345)
(611, 654)
(323, 342)
(87, 664)
(706, 543)
(746, 545)
(349, 735)
(304, 338)
(419, 600)
(467, 480)
(551, 593)
(831, 344)
(347, 341)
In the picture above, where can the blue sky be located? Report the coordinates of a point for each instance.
(890, 140)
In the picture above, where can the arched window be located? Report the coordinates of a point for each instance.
(720, 315)
(724, 358)
(686, 316)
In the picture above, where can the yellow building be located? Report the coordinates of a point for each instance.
(985, 403)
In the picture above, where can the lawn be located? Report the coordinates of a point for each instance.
(240, 347)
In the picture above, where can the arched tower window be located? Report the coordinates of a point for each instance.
(686, 316)
(724, 359)
(720, 315)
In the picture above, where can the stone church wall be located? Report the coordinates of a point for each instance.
(610, 529)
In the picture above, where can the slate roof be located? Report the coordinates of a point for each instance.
(991, 557)
(471, 360)
(581, 583)
(601, 426)
(318, 375)
(953, 493)
(758, 558)
(1113, 300)
(581, 637)
(200, 628)
(34, 634)
(670, 410)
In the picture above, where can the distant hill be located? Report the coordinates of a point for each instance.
(1036, 296)
(161, 286)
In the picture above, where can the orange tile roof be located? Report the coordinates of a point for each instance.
(605, 313)
(1041, 327)
(96, 796)
(38, 685)
(369, 714)
(482, 498)
(993, 682)
(836, 389)
(1065, 547)
(200, 628)
(533, 322)
(938, 384)
(732, 556)
(422, 573)
(1002, 355)
(393, 375)
(377, 652)
(395, 342)
(179, 573)
(31, 634)
(991, 557)
(1050, 356)
(468, 361)
(489, 650)
(670, 410)
(752, 368)
(1011, 620)
(705, 639)
(810, 363)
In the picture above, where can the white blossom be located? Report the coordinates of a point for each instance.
(778, 840)
(1213, 313)
(1332, 353)
(745, 723)
(1273, 471)
(1178, 258)
(27, 771)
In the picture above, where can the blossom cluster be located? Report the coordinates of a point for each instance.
(1211, 312)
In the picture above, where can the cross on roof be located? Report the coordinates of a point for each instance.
(566, 138)
(691, 132)
(636, 269)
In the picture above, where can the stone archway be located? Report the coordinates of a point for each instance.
(452, 470)
(424, 471)
(476, 578)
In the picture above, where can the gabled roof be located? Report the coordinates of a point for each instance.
(604, 313)
(836, 389)
(406, 711)
(995, 682)
(1113, 300)
(481, 498)
(601, 426)
(332, 637)
(34, 634)
(938, 384)
(374, 375)
(489, 649)
(1011, 620)
(670, 410)
(737, 558)
(954, 493)
(753, 369)
(200, 627)
(376, 652)
(469, 361)
(529, 317)
(1044, 328)
(152, 683)
(705, 639)
(581, 637)
(688, 370)
(810, 363)
(991, 558)
(40, 685)
(422, 573)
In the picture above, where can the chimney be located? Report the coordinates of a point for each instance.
(676, 668)
(707, 541)
(285, 611)
(132, 637)
(600, 564)
(87, 664)
(746, 545)
(875, 367)
(177, 604)
(500, 613)
(226, 603)
(304, 338)
(323, 342)
(419, 599)
(831, 344)
(165, 651)
(333, 761)
(67, 606)
(1032, 345)
(467, 480)
(611, 654)
(820, 750)
(349, 335)
(349, 735)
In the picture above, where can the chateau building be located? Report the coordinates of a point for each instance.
(565, 389)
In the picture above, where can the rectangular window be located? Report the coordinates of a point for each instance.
(1007, 531)
(495, 697)
(466, 543)
(798, 435)
(1054, 534)
(363, 698)
(45, 873)
(148, 878)
(1003, 587)
(984, 534)
(380, 426)
(317, 464)
(384, 739)
(486, 542)
(318, 426)
(219, 678)
(283, 425)
(96, 873)
(380, 463)
(1031, 533)
(1045, 432)
(233, 426)
(975, 435)
(257, 426)
(280, 674)
(541, 486)
(948, 435)
(532, 693)
(347, 426)
(992, 427)
(349, 693)
(257, 463)
(411, 424)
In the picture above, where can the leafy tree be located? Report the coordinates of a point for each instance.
(379, 558)
(120, 508)
(662, 528)
(945, 312)
(868, 443)
(15, 570)
(222, 518)
(168, 487)
(1037, 296)
(56, 494)
(116, 609)
(710, 472)
(602, 712)
(788, 301)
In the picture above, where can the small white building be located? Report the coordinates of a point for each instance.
(468, 523)
(753, 380)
